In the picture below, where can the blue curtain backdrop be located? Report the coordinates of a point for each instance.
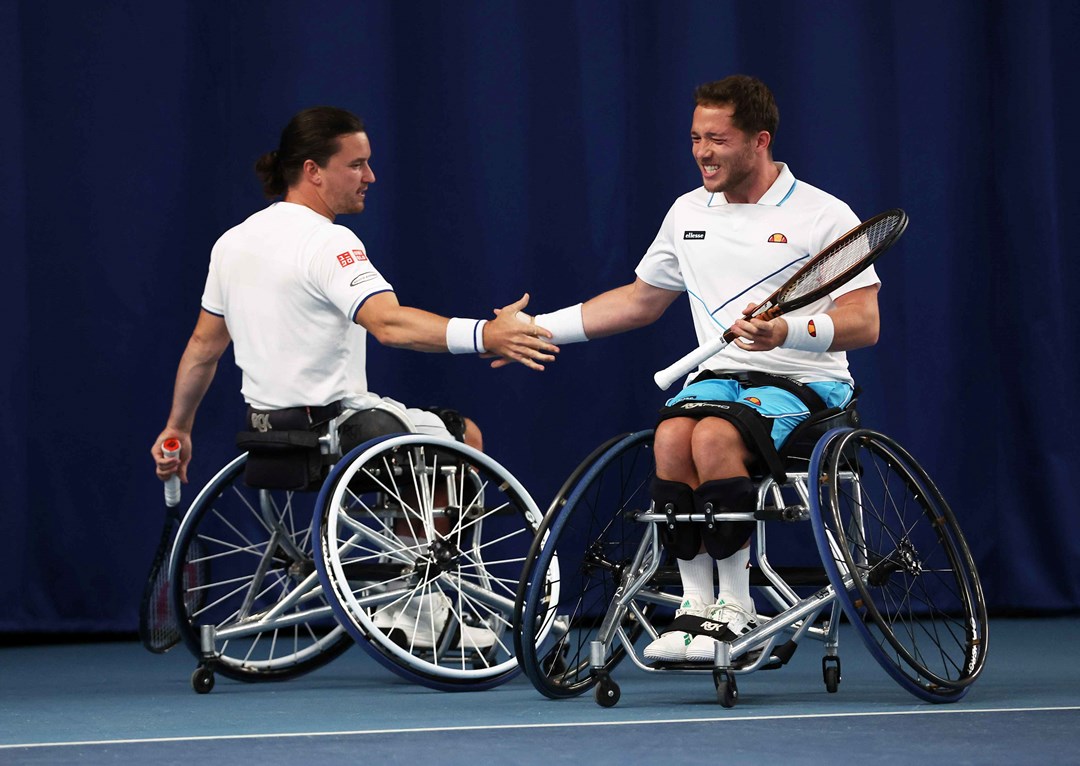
(525, 146)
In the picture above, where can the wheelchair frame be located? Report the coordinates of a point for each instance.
(276, 614)
(881, 592)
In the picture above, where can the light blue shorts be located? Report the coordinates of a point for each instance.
(783, 409)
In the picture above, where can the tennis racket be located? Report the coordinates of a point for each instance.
(157, 623)
(832, 267)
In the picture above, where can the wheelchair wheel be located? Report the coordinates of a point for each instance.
(903, 572)
(421, 545)
(242, 563)
(576, 565)
(556, 505)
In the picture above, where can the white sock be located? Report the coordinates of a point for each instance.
(734, 576)
(697, 578)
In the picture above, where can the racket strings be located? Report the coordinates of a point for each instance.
(160, 631)
(845, 255)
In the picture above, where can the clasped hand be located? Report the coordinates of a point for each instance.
(511, 339)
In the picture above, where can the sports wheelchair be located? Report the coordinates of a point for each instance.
(410, 545)
(893, 561)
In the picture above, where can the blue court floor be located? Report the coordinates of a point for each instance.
(101, 703)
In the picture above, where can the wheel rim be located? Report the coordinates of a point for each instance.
(246, 560)
(435, 529)
(574, 572)
(913, 592)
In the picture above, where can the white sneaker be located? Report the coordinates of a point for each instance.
(729, 614)
(422, 620)
(384, 616)
(477, 637)
(671, 647)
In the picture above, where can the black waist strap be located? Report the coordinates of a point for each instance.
(291, 418)
(755, 379)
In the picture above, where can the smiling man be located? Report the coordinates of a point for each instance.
(729, 244)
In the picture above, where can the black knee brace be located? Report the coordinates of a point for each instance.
(725, 537)
(683, 539)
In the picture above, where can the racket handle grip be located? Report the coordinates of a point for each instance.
(665, 377)
(171, 448)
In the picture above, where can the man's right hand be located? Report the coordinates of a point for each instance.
(513, 340)
(166, 467)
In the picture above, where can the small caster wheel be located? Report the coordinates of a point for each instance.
(830, 669)
(727, 691)
(607, 693)
(202, 680)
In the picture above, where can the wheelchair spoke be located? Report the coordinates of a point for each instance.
(918, 599)
(247, 572)
(508, 585)
(442, 615)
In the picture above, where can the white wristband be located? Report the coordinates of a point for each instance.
(809, 333)
(566, 325)
(465, 336)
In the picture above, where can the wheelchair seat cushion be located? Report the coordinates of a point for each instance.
(802, 440)
(366, 425)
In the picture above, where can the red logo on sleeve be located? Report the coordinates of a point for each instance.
(345, 259)
(360, 255)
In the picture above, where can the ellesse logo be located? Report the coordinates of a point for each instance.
(693, 235)
(778, 237)
(811, 328)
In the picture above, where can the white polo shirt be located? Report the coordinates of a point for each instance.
(726, 256)
(289, 282)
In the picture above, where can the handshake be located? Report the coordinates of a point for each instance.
(514, 336)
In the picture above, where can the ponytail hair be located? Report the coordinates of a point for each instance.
(310, 135)
(268, 169)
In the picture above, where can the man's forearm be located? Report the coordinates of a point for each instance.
(625, 308)
(193, 379)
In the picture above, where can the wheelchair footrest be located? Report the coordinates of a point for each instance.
(784, 652)
(752, 656)
(780, 657)
(664, 665)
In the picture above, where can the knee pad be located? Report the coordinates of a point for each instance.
(682, 540)
(737, 494)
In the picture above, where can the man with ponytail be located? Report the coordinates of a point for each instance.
(297, 294)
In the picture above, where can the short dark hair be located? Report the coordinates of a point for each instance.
(755, 107)
(310, 135)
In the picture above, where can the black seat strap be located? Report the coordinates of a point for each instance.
(755, 379)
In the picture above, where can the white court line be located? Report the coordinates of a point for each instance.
(567, 725)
